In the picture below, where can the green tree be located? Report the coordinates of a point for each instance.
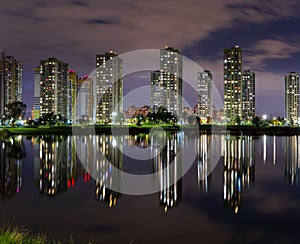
(256, 121)
(16, 110)
(238, 120)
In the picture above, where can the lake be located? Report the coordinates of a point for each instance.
(234, 188)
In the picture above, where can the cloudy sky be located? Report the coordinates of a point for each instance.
(75, 31)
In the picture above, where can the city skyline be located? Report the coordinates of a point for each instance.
(201, 29)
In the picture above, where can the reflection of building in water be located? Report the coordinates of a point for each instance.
(11, 153)
(140, 140)
(203, 150)
(292, 155)
(171, 190)
(57, 164)
(238, 169)
(107, 178)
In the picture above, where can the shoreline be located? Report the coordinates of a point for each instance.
(133, 130)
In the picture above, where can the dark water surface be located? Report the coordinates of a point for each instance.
(252, 194)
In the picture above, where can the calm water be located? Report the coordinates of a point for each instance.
(251, 195)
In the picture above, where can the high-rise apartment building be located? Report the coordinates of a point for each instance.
(2, 80)
(170, 96)
(37, 90)
(292, 97)
(248, 78)
(72, 94)
(54, 87)
(109, 87)
(85, 100)
(13, 80)
(204, 89)
(233, 99)
(155, 90)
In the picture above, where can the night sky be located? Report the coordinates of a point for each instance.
(75, 31)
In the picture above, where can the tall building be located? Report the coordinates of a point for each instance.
(204, 89)
(13, 81)
(292, 97)
(36, 104)
(85, 99)
(54, 87)
(155, 90)
(2, 79)
(109, 87)
(171, 80)
(248, 95)
(233, 84)
(72, 94)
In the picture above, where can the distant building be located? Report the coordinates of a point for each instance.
(72, 94)
(233, 84)
(54, 87)
(155, 96)
(11, 79)
(204, 89)
(85, 100)
(2, 80)
(132, 109)
(248, 78)
(291, 111)
(109, 86)
(37, 90)
(168, 93)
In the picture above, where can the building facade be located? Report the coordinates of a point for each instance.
(37, 90)
(292, 97)
(204, 90)
(248, 95)
(2, 79)
(109, 87)
(85, 100)
(54, 87)
(233, 84)
(171, 80)
(72, 94)
(155, 91)
(11, 80)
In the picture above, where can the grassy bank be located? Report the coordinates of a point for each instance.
(16, 236)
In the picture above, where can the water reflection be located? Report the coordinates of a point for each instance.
(239, 169)
(106, 177)
(170, 194)
(11, 154)
(292, 155)
(57, 166)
